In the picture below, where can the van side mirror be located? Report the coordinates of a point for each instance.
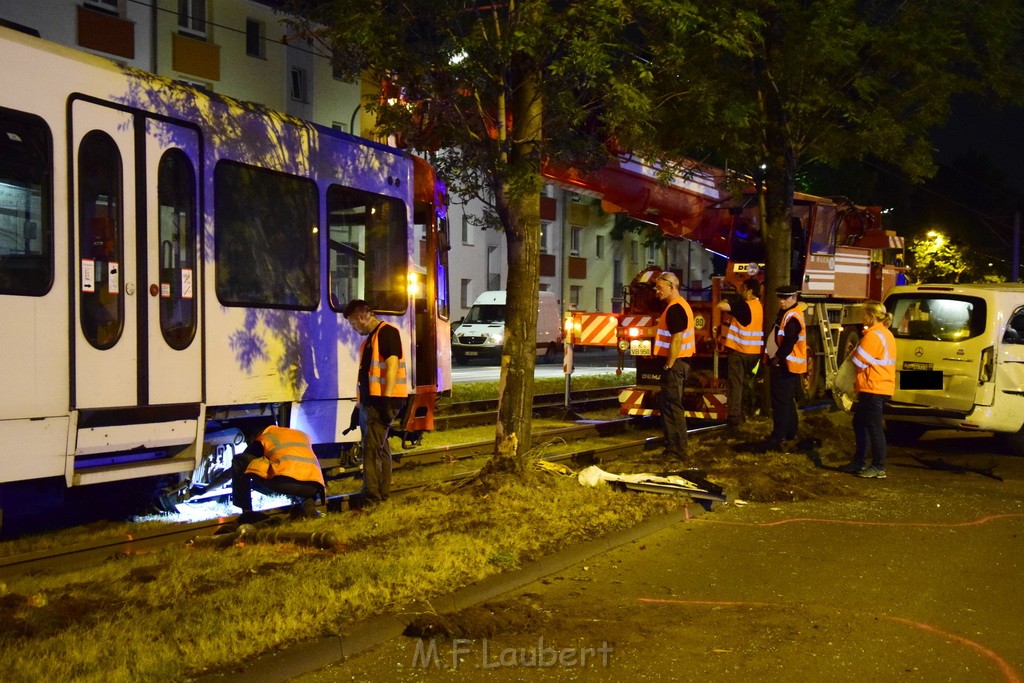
(1011, 336)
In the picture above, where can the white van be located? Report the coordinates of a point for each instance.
(959, 360)
(482, 332)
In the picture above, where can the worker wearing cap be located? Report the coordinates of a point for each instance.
(787, 364)
(675, 341)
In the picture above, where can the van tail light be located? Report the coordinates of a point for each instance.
(986, 369)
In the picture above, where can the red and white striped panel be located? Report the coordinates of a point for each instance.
(631, 402)
(637, 321)
(715, 408)
(596, 329)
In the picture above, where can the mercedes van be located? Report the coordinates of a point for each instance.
(959, 360)
(481, 334)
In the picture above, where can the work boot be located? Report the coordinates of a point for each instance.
(309, 510)
(851, 468)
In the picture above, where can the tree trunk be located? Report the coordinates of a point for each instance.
(520, 193)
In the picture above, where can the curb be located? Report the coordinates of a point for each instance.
(311, 655)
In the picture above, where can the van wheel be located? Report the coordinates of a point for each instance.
(903, 433)
(551, 354)
(1014, 442)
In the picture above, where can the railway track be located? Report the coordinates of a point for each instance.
(475, 413)
(75, 555)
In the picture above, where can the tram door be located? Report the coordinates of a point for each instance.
(135, 313)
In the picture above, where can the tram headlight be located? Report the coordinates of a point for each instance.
(414, 285)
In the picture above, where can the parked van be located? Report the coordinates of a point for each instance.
(959, 360)
(482, 333)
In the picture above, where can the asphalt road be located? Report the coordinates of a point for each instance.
(913, 578)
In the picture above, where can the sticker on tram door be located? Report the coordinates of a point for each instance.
(186, 283)
(88, 275)
(113, 277)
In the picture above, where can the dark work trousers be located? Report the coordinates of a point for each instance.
(741, 384)
(242, 485)
(868, 429)
(373, 420)
(670, 402)
(784, 415)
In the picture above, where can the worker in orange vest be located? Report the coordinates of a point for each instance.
(674, 342)
(788, 363)
(875, 361)
(279, 460)
(745, 338)
(382, 390)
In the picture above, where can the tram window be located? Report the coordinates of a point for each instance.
(176, 189)
(266, 245)
(101, 239)
(26, 205)
(368, 243)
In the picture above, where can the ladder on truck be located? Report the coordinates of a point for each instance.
(827, 344)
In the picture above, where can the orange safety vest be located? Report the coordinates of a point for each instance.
(664, 337)
(875, 359)
(747, 338)
(796, 361)
(286, 452)
(378, 368)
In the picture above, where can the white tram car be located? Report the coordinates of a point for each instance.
(173, 263)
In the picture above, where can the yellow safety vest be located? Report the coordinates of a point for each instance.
(796, 361)
(875, 359)
(664, 337)
(747, 338)
(288, 453)
(378, 368)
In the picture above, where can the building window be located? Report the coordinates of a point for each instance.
(599, 246)
(111, 6)
(634, 252)
(544, 237)
(652, 254)
(255, 32)
(192, 17)
(599, 299)
(574, 296)
(575, 236)
(464, 293)
(298, 87)
(336, 66)
(493, 269)
(467, 230)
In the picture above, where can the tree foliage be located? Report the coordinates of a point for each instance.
(494, 88)
(829, 80)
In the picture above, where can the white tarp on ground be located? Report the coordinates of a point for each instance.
(594, 475)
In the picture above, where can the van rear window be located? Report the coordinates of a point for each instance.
(936, 317)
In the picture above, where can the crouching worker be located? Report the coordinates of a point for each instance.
(278, 461)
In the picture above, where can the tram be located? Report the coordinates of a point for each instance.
(173, 266)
